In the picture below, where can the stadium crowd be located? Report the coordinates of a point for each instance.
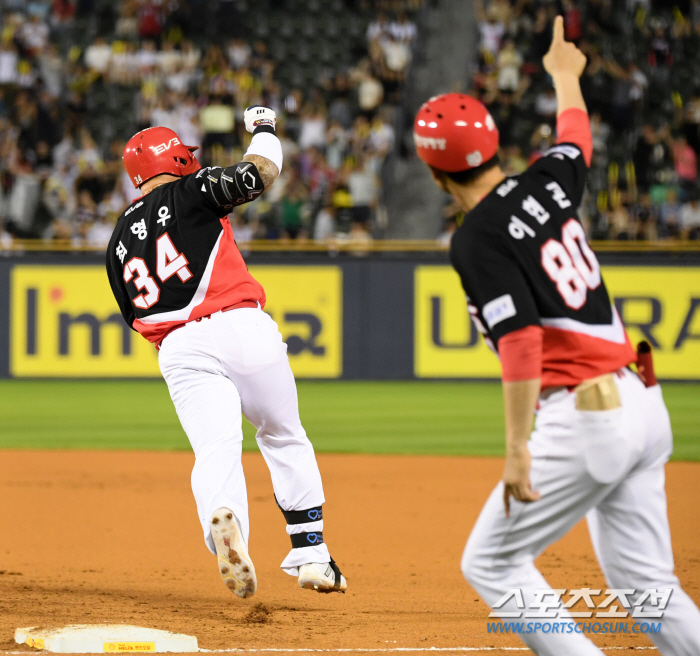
(79, 77)
(642, 88)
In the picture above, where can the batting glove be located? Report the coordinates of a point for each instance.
(257, 116)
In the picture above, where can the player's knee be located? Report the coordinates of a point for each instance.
(475, 567)
(276, 436)
(649, 577)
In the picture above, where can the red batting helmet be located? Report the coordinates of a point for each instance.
(158, 150)
(455, 132)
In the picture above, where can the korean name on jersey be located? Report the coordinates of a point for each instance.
(524, 260)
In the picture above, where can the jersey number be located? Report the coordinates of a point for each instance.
(571, 264)
(168, 263)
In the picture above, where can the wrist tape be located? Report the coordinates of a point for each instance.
(267, 145)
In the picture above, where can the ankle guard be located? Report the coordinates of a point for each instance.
(308, 516)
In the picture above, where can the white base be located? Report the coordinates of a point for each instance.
(105, 638)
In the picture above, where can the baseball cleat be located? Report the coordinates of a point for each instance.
(235, 566)
(322, 577)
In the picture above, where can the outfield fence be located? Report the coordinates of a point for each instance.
(368, 314)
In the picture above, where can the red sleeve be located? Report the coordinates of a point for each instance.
(521, 354)
(573, 126)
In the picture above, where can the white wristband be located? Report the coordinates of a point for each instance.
(267, 145)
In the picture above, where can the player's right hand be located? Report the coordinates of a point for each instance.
(256, 116)
(563, 56)
(516, 479)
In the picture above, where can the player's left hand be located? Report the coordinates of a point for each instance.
(257, 116)
(516, 479)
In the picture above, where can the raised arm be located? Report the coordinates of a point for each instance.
(565, 63)
(265, 150)
(255, 173)
(266, 168)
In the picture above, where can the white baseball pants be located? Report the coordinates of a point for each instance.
(608, 466)
(218, 369)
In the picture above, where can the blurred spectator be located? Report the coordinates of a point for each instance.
(99, 233)
(381, 137)
(546, 104)
(8, 62)
(293, 210)
(169, 59)
(513, 161)
(600, 133)
(669, 219)
(325, 227)
(645, 218)
(147, 57)
(637, 84)
(397, 55)
(364, 190)
(62, 12)
(33, 35)
(370, 91)
(620, 223)
(509, 63)
(69, 98)
(359, 239)
(650, 155)
(150, 19)
(491, 28)
(313, 127)
(403, 29)
(242, 231)
(378, 28)
(217, 120)
(239, 53)
(51, 68)
(686, 162)
(98, 56)
(573, 28)
(689, 219)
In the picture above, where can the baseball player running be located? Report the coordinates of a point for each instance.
(180, 281)
(601, 437)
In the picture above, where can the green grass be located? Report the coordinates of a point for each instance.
(348, 417)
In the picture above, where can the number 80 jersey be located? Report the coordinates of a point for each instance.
(172, 257)
(523, 259)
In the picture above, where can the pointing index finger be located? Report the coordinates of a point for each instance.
(558, 30)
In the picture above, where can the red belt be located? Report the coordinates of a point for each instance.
(235, 306)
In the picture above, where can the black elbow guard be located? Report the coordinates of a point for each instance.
(234, 185)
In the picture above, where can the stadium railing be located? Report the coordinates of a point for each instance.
(378, 246)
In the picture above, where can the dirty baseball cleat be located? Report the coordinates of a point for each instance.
(322, 577)
(235, 566)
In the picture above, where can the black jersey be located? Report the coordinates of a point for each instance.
(173, 258)
(524, 260)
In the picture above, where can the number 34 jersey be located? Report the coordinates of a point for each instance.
(172, 257)
(524, 261)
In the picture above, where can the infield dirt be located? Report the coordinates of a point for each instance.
(92, 537)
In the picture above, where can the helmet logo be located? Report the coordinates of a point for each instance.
(430, 142)
(475, 158)
(161, 148)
